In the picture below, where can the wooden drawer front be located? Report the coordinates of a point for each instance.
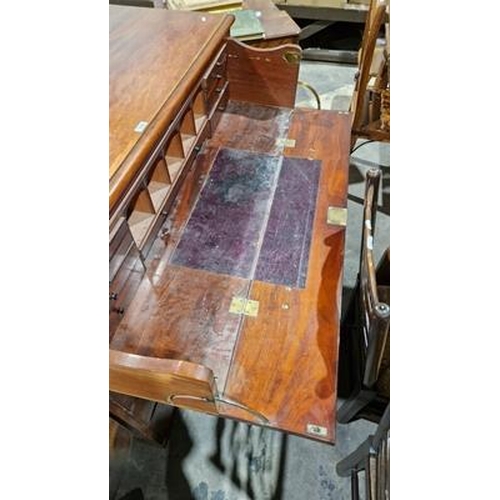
(219, 107)
(218, 67)
(215, 95)
(214, 80)
(126, 272)
(132, 264)
(123, 299)
(116, 235)
(132, 268)
(119, 248)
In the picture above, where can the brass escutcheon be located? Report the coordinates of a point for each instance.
(292, 57)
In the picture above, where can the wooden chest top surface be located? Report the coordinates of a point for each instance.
(150, 77)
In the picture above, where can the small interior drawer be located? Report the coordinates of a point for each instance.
(132, 263)
(217, 66)
(217, 105)
(119, 247)
(124, 286)
(116, 235)
(214, 96)
(125, 266)
(216, 76)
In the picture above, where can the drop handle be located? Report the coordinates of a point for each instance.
(113, 296)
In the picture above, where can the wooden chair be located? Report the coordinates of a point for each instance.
(372, 457)
(365, 330)
(370, 104)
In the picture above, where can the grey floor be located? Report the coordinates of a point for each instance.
(216, 459)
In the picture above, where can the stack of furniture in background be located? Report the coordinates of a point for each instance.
(259, 23)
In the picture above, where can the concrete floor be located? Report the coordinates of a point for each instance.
(216, 459)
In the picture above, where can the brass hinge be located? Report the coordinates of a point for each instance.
(247, 307)
(336, 216)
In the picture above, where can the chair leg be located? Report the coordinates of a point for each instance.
(354, 485)
(350, 409)
(371, 478)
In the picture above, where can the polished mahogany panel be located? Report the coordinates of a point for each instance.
(285, 360)
(183, 315)
(150, 78)
(280, 362)
(252, 127)
(266, 76)
(182, 338)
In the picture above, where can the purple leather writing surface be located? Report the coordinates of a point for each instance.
(253, 218)
(284, 254)
(224, 231)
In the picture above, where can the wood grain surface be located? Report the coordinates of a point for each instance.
(285, 360)
(184, 315)
(177, 341)
(322, 135)
(150, 78)
(281, 363)
(162, 380)
(263, 75)
(252, 127)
